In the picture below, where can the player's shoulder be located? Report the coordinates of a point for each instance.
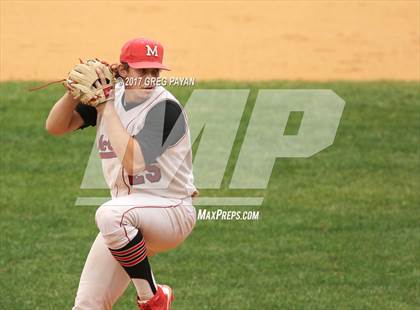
(167, 104)
(167, 96)
(166, 101)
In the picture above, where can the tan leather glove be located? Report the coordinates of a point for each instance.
(84, 84)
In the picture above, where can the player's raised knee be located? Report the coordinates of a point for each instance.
(106, 218)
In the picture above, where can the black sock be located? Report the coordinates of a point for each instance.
(133, 258)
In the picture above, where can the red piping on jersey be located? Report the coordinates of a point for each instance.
(122, 175)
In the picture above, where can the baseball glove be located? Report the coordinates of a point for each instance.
(84, 83)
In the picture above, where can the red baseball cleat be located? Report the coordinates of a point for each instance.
(160, 301)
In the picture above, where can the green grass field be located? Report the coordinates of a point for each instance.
(339, 230)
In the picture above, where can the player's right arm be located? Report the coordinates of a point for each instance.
(64, 116)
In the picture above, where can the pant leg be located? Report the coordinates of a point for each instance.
(103, 280)
(162, 228)
(164, 223)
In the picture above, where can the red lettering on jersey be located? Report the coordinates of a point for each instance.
(152, 174)
(136, 179)
(105, 148)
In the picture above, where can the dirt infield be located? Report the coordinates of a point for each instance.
(310, 40)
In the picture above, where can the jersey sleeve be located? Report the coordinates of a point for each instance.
(88, 115)
(164, 126)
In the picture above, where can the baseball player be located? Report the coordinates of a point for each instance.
(144, 145)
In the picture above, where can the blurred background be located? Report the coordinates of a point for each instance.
(338, 230)
(235, 40)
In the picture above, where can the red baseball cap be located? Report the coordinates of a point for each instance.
(143, 53)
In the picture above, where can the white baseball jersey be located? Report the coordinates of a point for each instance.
(172, 174)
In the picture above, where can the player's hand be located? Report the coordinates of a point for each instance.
(69, 87)
(69, 98)
(113, 67)
(108, 89)
(102, 80)
(103, 61)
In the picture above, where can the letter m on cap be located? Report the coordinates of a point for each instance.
(150, 51)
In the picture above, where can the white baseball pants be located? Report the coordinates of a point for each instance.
(164, 223)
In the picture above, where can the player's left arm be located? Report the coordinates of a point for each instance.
(125, 147)
(164, 126)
